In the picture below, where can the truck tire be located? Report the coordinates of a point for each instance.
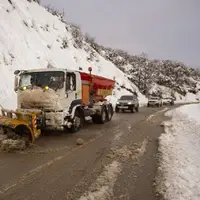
(109, 112)
(94, 119)
(148, 105)
(103, 117)
(78, 122)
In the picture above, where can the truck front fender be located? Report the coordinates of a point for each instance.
(74, 110)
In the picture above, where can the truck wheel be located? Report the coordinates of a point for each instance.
(94, 119)
(148, 105)
(103, 117)
(133, 110)
(110, 112)
(77, 122)
(137, 108)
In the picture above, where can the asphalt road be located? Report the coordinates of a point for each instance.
(116, 161)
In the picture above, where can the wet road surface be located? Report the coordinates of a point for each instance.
(116, 161)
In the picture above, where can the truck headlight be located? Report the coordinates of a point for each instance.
(117, 102)
(129, 103)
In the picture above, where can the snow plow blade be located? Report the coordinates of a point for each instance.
(22, 124)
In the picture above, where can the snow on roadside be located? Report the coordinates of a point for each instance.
(179, 147)
(188, 98)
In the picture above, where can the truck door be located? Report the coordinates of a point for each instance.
(72, 91)
(70, 88)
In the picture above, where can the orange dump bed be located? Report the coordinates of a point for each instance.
(98, 82)
(95, 87)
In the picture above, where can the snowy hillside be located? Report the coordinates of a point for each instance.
(31, 37)
(159, 77)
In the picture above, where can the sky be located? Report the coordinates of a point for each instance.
(164, 29)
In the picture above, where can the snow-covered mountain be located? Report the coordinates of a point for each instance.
(32, 37)
(159, 77)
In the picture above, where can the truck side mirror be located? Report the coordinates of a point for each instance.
(16, 83)
(16, 72)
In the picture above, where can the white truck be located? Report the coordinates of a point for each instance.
(59, 99)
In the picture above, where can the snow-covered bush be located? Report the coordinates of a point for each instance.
(77, 35)
(64, 43)
(55, 12)
(37, 1)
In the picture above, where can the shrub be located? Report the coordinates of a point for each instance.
(77, 35)
(55, 12)
(37, 1)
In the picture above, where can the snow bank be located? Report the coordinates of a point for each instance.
(179, 147)
(188, 98)
(31, 37)
(167, 92)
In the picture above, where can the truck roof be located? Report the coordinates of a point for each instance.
(47, 69)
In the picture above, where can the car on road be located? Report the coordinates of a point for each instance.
(154, 101)
(168, 101)
(127, 102)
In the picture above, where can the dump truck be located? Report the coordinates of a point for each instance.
(57, 99)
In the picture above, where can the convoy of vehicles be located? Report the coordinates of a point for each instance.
(158, 101)
(60, 99)
(127, 102)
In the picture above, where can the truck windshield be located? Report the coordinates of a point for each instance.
(126, 98)
(53, 79)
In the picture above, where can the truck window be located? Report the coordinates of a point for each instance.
(52, 79)
(71, 82)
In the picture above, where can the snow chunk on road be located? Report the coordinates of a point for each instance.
(179, 147)
(9, 145)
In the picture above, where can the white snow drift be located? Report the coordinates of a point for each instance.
(179, 148)
(31, 37)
